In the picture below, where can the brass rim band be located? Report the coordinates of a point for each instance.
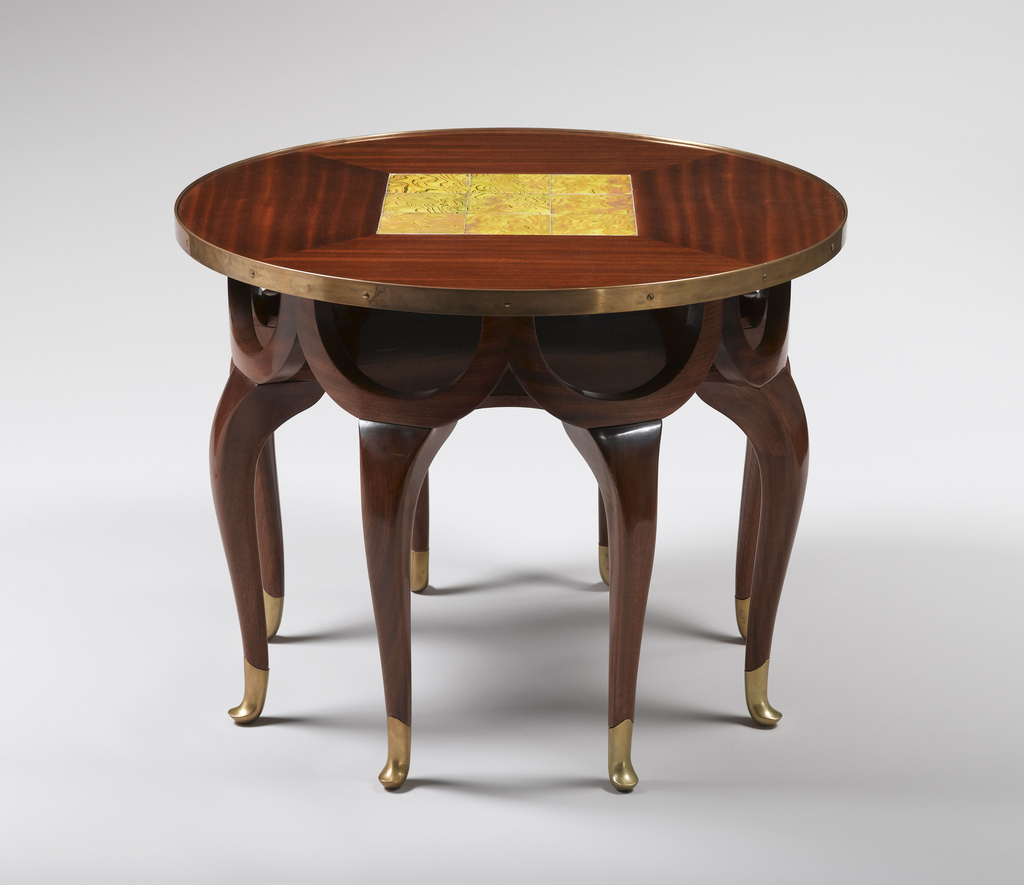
(511, 302)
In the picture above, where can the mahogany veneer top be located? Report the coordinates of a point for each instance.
(711, 223)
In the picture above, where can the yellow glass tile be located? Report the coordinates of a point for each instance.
(593, 225)
(420, 223)
(509, 183)
(590, 204)
(591, 184)
(409, 183)
(508, 204)
(508, 224)
(430, 201)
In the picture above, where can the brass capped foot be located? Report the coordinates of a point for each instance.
(254, 697)
(742, 613)
(419, 573)
(620, 766)
(399, 744)
(273, 606)
(756, 685)
(602, 564)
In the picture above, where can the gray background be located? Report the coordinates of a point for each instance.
(896, 658)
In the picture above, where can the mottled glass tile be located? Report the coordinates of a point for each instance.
(421, 223)
(508, 224)
(590, 204)
(409, 183)
(591, 184)
(430, 201)
(510, 183)
(593, 225)
(508, 204)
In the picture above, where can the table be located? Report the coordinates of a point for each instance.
(416, 277)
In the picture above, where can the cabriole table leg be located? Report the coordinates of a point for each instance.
(625, 462)
(393, 463)
(246, 417)
(772, 417)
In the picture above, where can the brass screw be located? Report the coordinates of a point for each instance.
(650, 296)
(252, 273)
(508, 304)
(764, 278)
(833, 247)
(366, 294)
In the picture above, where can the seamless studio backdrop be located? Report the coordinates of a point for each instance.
(897, 652)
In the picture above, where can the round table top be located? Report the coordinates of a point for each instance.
(511, 222)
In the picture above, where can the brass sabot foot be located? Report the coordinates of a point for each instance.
(742, 613)
(419, 573)
(255, 695)
(399, 744)
(620, 766)
(756, 684)
(603, 566)
(274, 608)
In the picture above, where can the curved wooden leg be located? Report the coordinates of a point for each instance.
(746, 544)
(393, 463)
(246, 417)
(271, 536)
(773, 419)
(603, 564)
(419, 564)
(625, 461)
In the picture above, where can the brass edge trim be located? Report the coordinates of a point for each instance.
(742, 615)
(520, 302)
(254, 696)
(396, 770)
(419, 570)
(755, 683)
(603, 564)
(620, 766)
(273, 608)
(512, 302)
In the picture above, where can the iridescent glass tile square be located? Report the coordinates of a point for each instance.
(591, 184)
(510, 183)
(421, 223)
(591, 204)
(486, 203)
(427, 201)
(508, 224)
(593, 225)
(409, 183)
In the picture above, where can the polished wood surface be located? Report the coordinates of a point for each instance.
(303, 221)
(269, 531)
(421, 524)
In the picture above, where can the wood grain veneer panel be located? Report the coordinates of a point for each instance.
(466, 262)
(734, 206)
(283, 203)
(508, 150)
